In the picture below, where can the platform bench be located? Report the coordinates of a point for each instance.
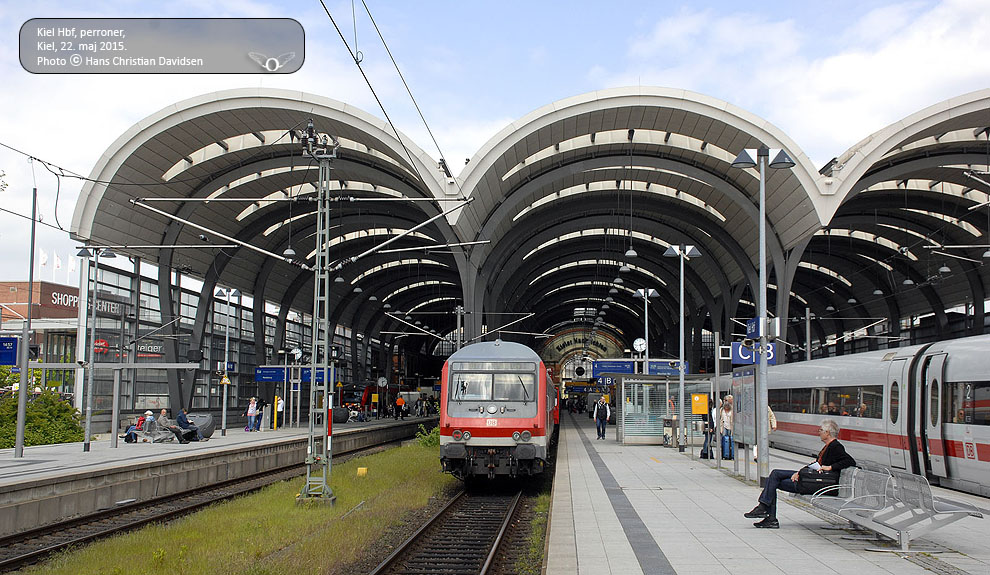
(894, 504)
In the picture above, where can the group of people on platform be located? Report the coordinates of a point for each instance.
(256, 410)
(147, 428)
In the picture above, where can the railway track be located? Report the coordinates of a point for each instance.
(31, 546)
(463, 538)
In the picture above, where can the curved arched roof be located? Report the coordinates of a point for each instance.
(559, 195)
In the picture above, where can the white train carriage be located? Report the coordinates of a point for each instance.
(922, 408)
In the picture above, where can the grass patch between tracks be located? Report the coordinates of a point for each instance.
(532, 560)
(267, 533)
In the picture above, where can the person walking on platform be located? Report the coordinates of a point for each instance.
(832, 457)
(262, 404)
(772, 419)
(709, 430)
(399, 404)
(252, 413)
(725, 427)
(602, 413)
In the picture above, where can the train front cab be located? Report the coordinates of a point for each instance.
(494, 419)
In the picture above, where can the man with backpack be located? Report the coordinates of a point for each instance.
(602, 412)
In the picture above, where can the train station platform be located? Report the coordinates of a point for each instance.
(55, 482)
(627, 510)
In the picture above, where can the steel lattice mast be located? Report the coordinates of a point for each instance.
(318, 465)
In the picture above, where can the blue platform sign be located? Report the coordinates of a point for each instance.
(269, 374)
(8, 351)
(748, 356)
(753, 328)
(600, 366)
(304, 374)
(668, 367)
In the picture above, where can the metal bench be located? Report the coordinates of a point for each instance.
(916, 511)
(894, 504)
(859, 494)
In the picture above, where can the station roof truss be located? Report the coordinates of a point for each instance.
(560, 196)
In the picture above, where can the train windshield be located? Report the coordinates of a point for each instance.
(503, 382)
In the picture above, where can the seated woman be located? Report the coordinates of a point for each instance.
(832, 457)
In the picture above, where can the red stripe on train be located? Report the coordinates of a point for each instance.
(953, 448)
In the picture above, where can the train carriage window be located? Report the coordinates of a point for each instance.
(934, 407)
(894, 407)
(967, 403)
(514, 387)
(471, 386)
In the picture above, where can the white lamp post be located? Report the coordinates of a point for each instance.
(85, 253)
(780, 161)
(646, 294)
(226, 356)
(682, 251)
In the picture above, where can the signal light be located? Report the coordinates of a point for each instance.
(456, 435)
(526, 435)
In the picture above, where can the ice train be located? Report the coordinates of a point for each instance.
(922, 408)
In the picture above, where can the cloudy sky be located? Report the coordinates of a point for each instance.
(827, 73)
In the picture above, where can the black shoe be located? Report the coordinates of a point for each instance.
(768, 523)
(760, 510)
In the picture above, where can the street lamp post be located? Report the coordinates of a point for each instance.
(780, 161)
(682, 251)
(107, 254)
(646, 294)
(226, 356)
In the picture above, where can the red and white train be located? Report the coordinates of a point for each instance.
(498, 410)
(923, 408)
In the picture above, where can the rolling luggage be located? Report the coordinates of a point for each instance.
(727, 447)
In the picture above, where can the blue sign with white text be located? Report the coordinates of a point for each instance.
(269, 374)
(8, 351)
(601, 366)
(668, 367)
(748, 356)
(753, 328)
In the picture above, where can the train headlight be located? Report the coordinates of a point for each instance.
(492, 409)
(516, 435)
(526, 436)
(457, 435)
(466, 435)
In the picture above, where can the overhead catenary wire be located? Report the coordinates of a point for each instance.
(367, 81)
(406, 85)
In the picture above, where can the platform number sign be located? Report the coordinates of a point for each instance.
(8, 351)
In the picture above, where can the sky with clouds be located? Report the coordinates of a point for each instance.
(827, 73)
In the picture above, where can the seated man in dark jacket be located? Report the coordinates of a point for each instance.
(832, 457)
(182, 421)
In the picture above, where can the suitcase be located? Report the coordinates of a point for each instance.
(727, 447)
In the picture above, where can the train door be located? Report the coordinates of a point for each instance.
(933, 444)
(895, 420)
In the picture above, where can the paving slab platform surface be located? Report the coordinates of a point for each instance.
(632, 509)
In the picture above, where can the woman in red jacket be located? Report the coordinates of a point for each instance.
(832, 457)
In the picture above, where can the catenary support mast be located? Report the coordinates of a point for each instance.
(319, 450)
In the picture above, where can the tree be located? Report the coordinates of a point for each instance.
(48, 419)
(11, 379)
